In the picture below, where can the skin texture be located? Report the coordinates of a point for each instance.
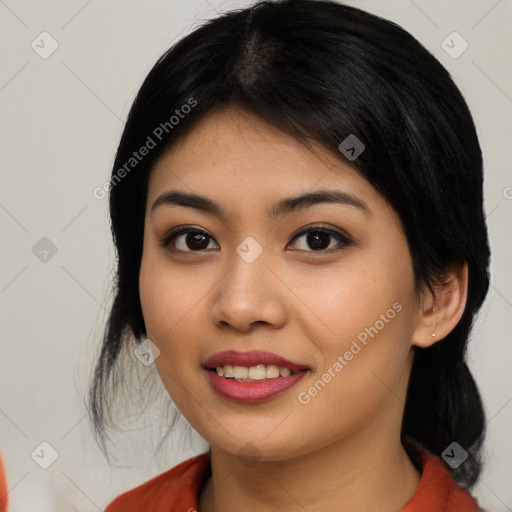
(340, 451)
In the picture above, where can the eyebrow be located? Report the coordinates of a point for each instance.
(279, 209)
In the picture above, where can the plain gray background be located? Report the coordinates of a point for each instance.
(61, 119)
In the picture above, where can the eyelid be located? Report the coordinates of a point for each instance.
(322, 227)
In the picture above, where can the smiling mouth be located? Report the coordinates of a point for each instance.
(238, 388)
(252, 376)
(256, 373)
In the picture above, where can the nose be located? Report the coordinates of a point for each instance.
(248, 295)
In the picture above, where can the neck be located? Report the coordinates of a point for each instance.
(365, 474)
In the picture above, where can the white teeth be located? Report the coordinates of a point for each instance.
(285, 372)
(240, 372)
(272, 371)
(258, 372)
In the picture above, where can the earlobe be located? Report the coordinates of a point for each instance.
(442, 311)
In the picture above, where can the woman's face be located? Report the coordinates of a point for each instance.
(262, 277)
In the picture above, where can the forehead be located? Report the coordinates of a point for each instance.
(233, 154)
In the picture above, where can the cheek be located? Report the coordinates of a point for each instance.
(171, 301)
(344, 300)
(360, 336)
(364, 320)
(168, 298)
(361, 366)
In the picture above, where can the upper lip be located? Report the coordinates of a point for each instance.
(251, 358)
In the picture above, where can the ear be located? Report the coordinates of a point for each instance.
(440, 312)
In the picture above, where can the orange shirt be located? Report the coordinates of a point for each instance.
(4, 496)
(177, 490)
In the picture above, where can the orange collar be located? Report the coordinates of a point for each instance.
(178, 489)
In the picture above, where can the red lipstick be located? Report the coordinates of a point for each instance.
(252, 391)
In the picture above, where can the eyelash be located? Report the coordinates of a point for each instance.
(343, 239)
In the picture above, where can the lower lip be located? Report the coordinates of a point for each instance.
(251, 392)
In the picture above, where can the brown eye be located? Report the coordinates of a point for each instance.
(318, 239)
(188, 240)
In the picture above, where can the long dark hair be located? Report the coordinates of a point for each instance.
(322, 71)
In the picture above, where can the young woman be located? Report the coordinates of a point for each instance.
(296, 204)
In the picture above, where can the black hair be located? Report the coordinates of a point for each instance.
(322, 71)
